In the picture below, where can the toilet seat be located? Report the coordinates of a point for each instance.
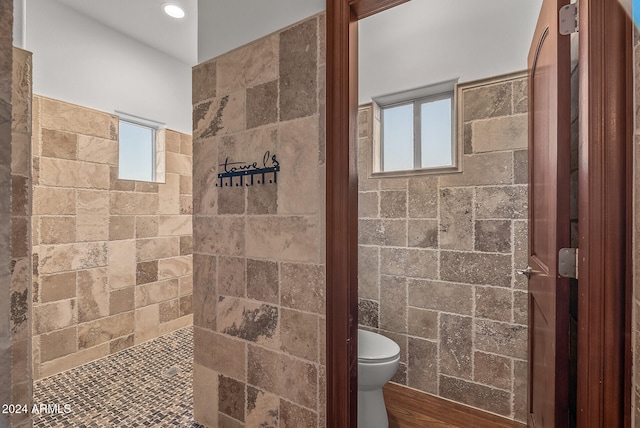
(374, 348)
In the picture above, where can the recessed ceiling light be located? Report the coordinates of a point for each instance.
(173, 10)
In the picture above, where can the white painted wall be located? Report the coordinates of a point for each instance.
(424, 42)
(81, 61)
(224, 25)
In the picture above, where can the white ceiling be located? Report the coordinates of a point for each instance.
(145, 21)
(415, 44)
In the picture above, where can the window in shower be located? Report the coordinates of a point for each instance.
(416, 132)
(140, 149)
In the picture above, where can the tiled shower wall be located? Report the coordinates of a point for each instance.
(259, 269)
(438, 253)
(112, 258)
(15, 267)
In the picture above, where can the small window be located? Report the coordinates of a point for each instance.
(138, 149)
(417, 131)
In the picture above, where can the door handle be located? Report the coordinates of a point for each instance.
(526, 272)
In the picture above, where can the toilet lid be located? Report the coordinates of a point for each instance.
(373, 347)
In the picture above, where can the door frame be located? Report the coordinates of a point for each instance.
(605, 216)
(342, 206)
(605, 189)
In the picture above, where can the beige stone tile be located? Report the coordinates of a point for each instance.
(54, 316)
(48, 201)
(382, 232)
(504, 133)
(487, 101)
(122, 264)
(121, 227)
(93, 294)
(176, 324)
(57, 287)
(423, 365)
(186, 205)
(169, 195)
(368, 205)
(273, 371)
(57, 230)
(505, 202)
(205, 395)
(172, 141)
(299, 180)
(482, 170)
(220, 116)
(76, 359)
(98, 150)
(186, 285)
(520, 390)
(178, 164)
(186, 145)
(422, 233)
(221, 353)
(299, 334)
(520, 251)
(232, 276)
(493, 303)
(157, 248)
(175, 225)
(219, 235)
(21, 154)
(262, 281)
(411, 262)
(58, 344)
(59, 144)
(262, 408)
(186, 184)
(105, 329)
(441, 296)
(456, 219)
(205, 293)
(66, 173)
(146, 186)
(121, 343)
(493, 236)
(393, 307)
(249, 320)
(262, 104)
(520, 307)
(146, 226)
(492, 370)
(231, 401)
(147, 321)
(169, 311)
(292, 416)
(133, 203)
(423, 323)
(92, 220)
(121, 300)
(368, 272)
(248, 66)
(501, 338)
(174, 267)
(66, 257)
(490, 399)
(456, 345)
(283, 238)
(156, 292)
(73, 118)
(476, 268)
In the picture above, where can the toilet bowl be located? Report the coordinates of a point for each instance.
(378, 360)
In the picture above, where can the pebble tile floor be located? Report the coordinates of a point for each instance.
(148, 385)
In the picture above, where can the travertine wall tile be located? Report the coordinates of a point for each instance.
(258, 249)
(436, 275)
(95, 233)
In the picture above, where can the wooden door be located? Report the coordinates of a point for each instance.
(549, 171)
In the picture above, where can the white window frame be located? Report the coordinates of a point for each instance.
(158, 149)
(416, 97)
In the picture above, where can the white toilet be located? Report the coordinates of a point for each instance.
(378, 360)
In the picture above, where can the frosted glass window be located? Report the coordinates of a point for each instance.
(398, 137)
(136, 157)
(435, 124)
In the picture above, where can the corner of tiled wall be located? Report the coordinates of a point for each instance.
(112, 257)
(438, 252)
(259, 273)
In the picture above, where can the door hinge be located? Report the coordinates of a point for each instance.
(568, 263)
(568, 19)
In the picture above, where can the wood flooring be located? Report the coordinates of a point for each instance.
(408, 408)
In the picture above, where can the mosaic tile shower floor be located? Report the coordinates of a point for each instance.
(149, 385)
